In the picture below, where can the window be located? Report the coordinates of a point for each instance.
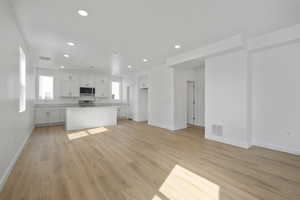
(115, 90)
(45, 87)
(22, 80)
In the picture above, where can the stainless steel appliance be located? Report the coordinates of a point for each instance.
(87, 91)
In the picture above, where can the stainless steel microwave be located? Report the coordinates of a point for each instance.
(87, 91)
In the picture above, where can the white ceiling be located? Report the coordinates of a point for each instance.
(122, 32)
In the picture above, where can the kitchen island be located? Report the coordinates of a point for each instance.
(90, 117)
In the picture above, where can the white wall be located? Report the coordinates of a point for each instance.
(226, 79)
(250, 89)
(141, 100)
(143, 104)
(15, 127)
(161, 86)
(276, 97)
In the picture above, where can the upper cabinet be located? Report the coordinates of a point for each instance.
(102, 86)
(69, 77)
(69, 88)
(72, 81)
(87, 80)
(69, 85)
(143, 82)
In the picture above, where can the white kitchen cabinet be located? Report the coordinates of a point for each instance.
(48, 116)
(87, 80)
(70, 88)
(143, 83)
(102, 87)
(69, 77)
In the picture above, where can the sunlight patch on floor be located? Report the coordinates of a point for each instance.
(76, 135)
(184, 184)
(80, 134)
(96, 130)
(156, 198)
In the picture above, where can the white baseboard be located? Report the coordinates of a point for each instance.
(12, 163)
(161, 126)
(226, 141)
(277, 148)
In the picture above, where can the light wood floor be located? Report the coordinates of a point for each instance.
(137, 161)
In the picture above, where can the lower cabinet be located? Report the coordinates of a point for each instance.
(123, 112)
(49, 116)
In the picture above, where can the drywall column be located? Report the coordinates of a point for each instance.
(276, 97)
(226, 98)
(160, 96)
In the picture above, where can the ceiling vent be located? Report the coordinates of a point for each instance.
(45, 58)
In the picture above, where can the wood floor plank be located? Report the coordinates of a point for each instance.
(135, 161)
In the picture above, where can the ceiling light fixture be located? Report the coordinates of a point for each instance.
(129, 66)
(145, 60)
(177, 46)
(66, 56)
(71, 44)
(62, 67)
(83, 13)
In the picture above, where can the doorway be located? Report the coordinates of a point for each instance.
(191, 103)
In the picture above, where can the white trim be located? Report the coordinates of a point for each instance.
(278, 148)
(162, 126)
(226, 45)
(236, 42)
(276, 38)
(12, 163)
(227, 141)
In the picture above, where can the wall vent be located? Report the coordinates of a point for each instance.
(45, 58)
(217, 130)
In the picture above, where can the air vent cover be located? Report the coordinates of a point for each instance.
(45, 58)
(217, 130)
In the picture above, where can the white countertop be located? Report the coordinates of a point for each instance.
(91, 107)
(76, 105)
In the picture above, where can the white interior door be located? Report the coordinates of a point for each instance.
(191, 102)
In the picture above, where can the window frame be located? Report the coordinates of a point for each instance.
(120, 90)
(22, 80)
(39, 96)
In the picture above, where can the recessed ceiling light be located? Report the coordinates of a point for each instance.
(129, 66)
(177, 46)
(145, 60)
(71, 44)
(66, 56)
(83, 13)
(62, 67)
